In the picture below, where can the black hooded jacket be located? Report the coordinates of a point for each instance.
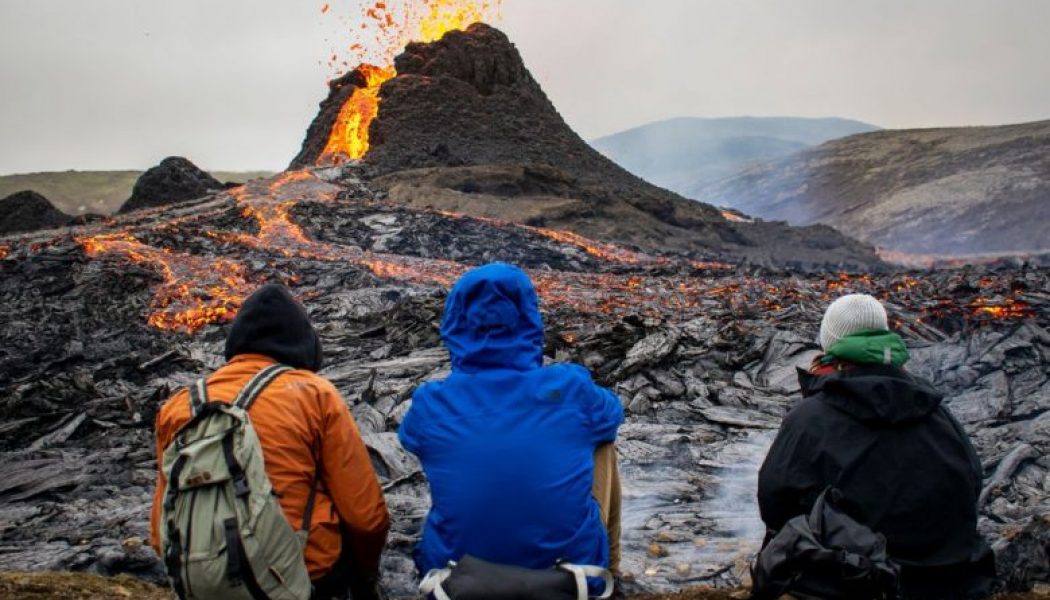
(906, 467)
(274, 324)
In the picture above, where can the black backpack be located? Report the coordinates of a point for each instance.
(826, 555)
(475, 579)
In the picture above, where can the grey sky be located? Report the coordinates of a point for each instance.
(232, 84)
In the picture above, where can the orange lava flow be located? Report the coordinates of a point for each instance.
(391, 30)
(196, 291)
(414, 270)
(1010, 309)
(601, 250)
(270, 204)
(4, 251)
(349, 137)
(733, 217)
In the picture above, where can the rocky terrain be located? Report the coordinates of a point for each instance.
(975, 190)
(29, 211)
(50, 586)
(698, 327)
(686, 154)
(99, 192)
(103, 322)
(465, 127)
(174, 180)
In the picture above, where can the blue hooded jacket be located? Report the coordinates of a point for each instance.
(507, 444)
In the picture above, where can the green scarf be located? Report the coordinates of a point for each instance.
(872, 347)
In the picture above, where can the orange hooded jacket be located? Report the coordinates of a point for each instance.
(304, 428)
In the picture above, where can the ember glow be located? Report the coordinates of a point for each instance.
(199, 290)
(384, 31)
(270, 203)
(1010, 309)
(600, 250)
(195, 292)
(4, 251)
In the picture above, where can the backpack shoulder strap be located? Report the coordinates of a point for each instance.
(198, 396)
(256, 385)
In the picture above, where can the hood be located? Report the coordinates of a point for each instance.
(492, 321)
(873, 347)
(274, 324)
(874, 394)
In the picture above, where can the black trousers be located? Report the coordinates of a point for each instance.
(343, 581)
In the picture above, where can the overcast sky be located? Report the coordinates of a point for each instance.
(232, 84)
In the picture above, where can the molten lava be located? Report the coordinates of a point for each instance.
(4, 251)
(600, 250)
(391, 30)
(195, 292)
(349, 137)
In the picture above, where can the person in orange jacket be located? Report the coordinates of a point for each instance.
(304, 428)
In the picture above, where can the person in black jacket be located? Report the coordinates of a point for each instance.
(882, 437)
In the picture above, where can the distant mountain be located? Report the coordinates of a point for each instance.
(973, 190)
(78, 192)
(686, 154)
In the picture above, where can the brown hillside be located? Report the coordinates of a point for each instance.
(937, 191)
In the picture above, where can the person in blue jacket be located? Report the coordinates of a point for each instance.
(509, 445)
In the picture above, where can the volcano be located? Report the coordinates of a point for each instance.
(101, 322)
(463, 126)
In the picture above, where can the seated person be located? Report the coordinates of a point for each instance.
(882, 437)
(306, 431)
(508, 445)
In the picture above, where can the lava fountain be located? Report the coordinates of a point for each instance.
(391, 28)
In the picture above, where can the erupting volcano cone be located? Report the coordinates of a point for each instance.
(463, 126)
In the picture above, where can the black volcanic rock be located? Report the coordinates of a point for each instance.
(466, 109)
(174, 180)
(29, 211)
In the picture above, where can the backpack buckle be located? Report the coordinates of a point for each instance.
(240, 487)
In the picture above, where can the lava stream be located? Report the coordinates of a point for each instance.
(196, 291)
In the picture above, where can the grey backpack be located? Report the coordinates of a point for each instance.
(223, 533)
(827, 555)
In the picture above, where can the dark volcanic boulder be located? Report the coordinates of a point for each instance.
(466, 108)
(29, 211)
(174, 180)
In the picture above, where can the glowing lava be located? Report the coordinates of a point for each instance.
(195, 292)
(391, 29)
(349, 137)
(4, 251)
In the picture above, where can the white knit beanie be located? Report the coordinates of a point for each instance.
(851, 314)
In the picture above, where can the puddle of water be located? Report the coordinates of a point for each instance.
(693, 516)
